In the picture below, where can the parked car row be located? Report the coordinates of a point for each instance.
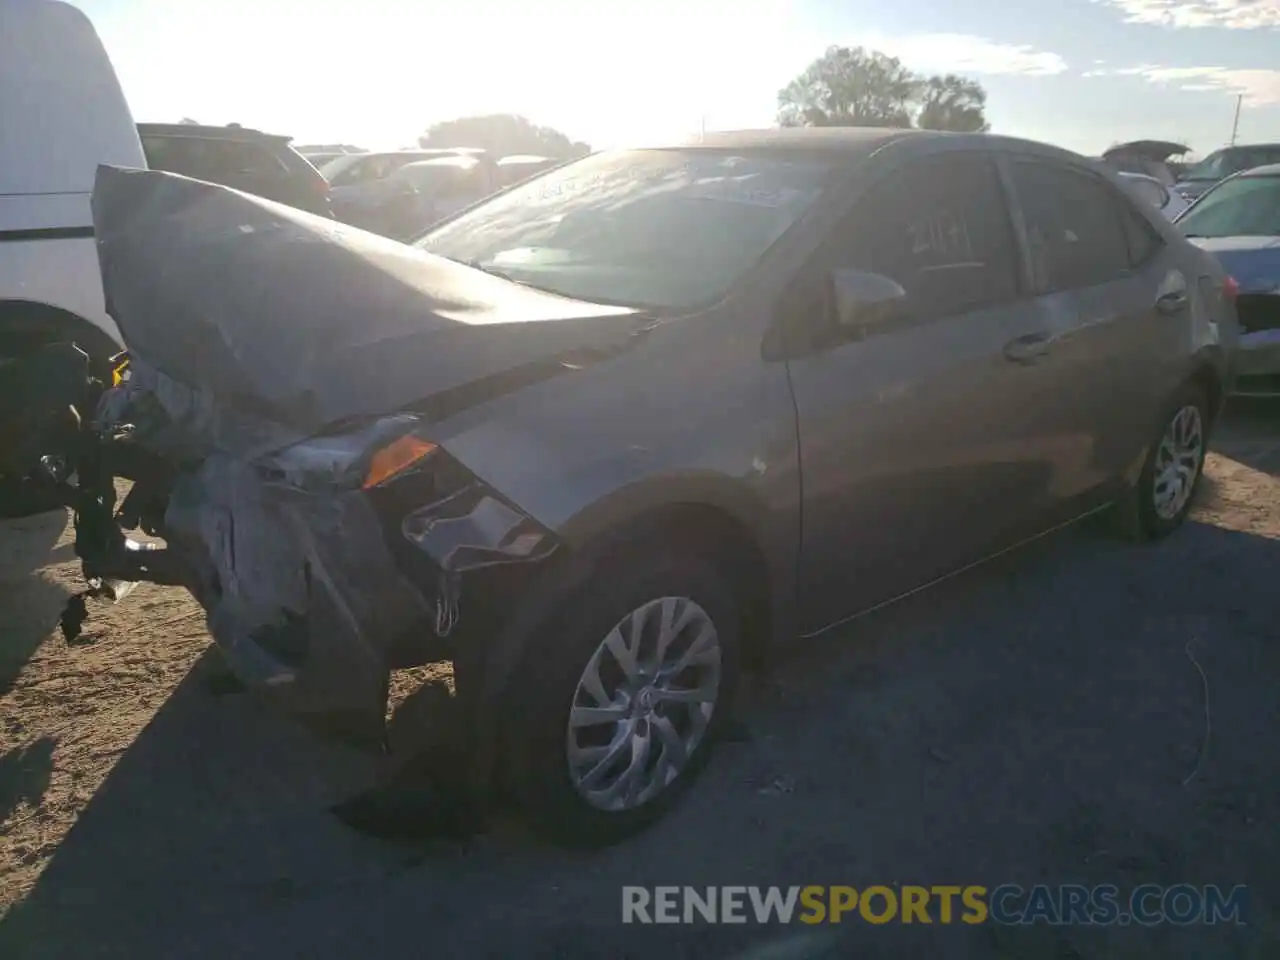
(401, 194)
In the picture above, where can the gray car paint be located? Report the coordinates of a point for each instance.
(716, 427)
(864, 470)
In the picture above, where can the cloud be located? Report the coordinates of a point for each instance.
(966, 53)
(1259, 87)
(1229, 14)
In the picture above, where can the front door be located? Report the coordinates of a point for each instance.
(921, 446)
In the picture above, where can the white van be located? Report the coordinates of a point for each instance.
(62, 113)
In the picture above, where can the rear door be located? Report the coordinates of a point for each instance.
(1092, 247)
(920, 443)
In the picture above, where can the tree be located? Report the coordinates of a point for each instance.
(503, 134)
(849, 88)
(856, 87)
(953, 103)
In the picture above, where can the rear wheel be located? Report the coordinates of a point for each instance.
(621, 700)
(1161, 499)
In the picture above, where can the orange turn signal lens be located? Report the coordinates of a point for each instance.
(396, 457)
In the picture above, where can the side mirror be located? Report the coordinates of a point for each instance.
(865, 302)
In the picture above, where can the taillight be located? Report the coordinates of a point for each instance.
(1230, 289)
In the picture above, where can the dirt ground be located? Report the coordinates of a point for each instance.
(1041, 720)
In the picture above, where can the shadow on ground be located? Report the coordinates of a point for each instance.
(1042, 720)
(30, 603)
(1252, 433)
(24, 775)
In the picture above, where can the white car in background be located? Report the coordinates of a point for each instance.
(1152, 191)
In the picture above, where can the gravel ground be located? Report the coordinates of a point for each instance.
(1041, 720)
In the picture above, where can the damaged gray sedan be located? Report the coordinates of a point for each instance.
(602, 438)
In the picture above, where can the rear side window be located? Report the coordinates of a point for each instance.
(1142, 239)
(229, 162)
(1249, 158)
(1075, 226)
(940, 227)
(239, 159)
(367, 170)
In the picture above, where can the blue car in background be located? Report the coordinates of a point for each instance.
(1238, 220)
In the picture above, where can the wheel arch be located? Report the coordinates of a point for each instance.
(705, 511)
(1208, 374)
(31, 323)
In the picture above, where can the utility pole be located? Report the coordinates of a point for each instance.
(1235, 127)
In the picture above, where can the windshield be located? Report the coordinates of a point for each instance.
(1243, 207)
(1223, 163)
(648, 228)
(331, 168)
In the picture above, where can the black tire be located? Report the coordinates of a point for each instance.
(537, 711)
(1135, 517)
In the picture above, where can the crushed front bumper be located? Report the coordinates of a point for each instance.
(302, 593)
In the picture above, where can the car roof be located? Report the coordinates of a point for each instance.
(1238, 147)
(431, 152)
(1269, 170)
(857, 142)
(466, 162)
(819, 139)
(229, 132)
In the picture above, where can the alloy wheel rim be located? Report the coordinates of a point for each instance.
(643, 704)
(1178, 461)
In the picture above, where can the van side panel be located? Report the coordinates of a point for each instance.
(62, 113)
(61, 107)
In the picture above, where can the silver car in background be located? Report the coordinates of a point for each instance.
(611, 434)
(1150, 190)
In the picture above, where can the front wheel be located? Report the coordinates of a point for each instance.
(621, 700)
(1161, 499)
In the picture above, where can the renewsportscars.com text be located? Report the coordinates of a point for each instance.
(1065, 904)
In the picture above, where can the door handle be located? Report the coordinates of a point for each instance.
(1171, 302)
(1029, 348)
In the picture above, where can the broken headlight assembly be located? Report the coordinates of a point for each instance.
(440, 520)
(353, 457)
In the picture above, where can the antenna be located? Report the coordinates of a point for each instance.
(1235, 127)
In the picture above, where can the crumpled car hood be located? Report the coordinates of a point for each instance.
(299, 320)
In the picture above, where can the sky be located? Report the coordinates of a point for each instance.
(1083, 74)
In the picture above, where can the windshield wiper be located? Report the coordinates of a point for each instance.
(492, 271)
(475, 264)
